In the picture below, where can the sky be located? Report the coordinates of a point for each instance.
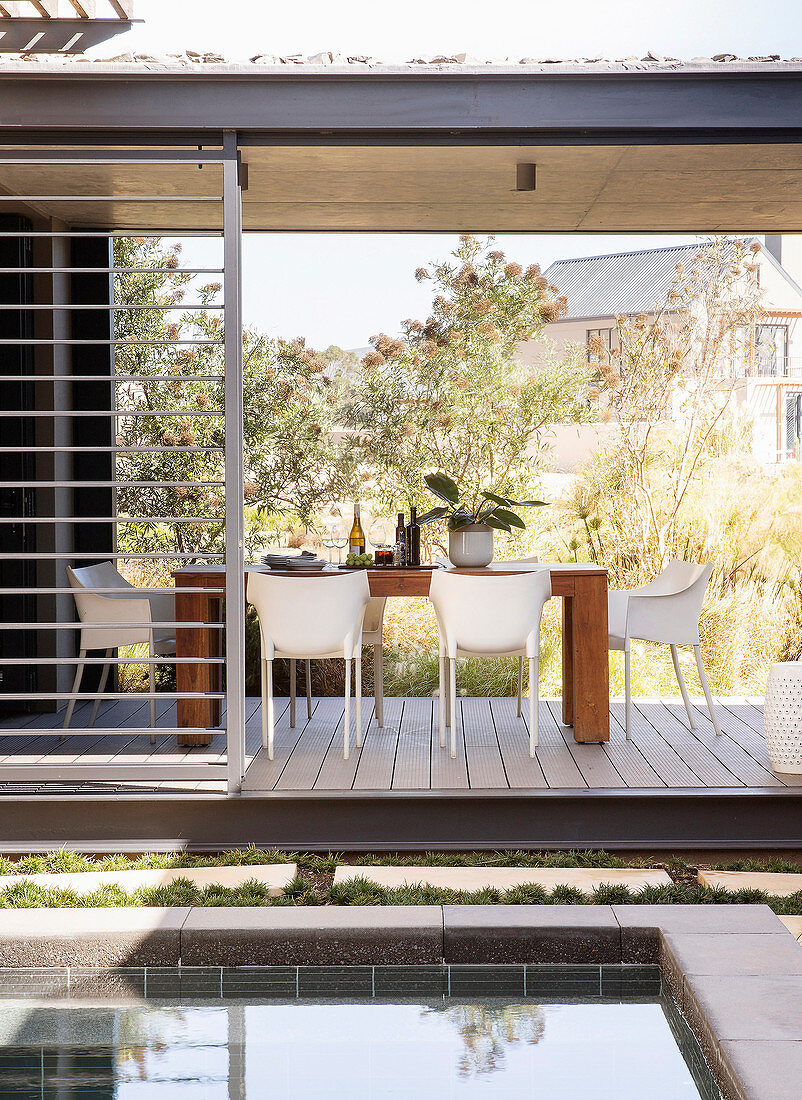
(356, 285)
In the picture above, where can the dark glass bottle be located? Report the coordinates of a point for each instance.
(413, 538)
(400, 550)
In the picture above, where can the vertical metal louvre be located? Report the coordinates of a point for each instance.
(120, 442)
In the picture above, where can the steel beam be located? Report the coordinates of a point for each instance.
(415, 102)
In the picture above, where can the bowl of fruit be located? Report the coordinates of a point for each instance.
(358, 561)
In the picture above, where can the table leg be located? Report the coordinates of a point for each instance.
(196, 642)
(591, 675)
(568, 660)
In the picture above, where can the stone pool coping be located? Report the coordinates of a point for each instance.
(735, 971)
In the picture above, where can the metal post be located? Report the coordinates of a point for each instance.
(235, 533)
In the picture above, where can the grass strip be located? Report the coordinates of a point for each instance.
(361, 891)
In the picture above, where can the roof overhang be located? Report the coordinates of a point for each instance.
(56, 26)
(418, 150)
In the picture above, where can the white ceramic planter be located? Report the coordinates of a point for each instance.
(471, 547)
(782, 716)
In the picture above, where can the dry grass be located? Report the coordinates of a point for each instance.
(744, 519)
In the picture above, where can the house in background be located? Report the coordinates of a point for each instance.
(768, 382)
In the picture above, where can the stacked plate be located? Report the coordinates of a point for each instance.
(295, 563)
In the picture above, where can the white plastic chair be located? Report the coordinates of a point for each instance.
(308, 618)
(488, 616)
(116, 611)
(532, 560)
(665, 611)
(371, 635)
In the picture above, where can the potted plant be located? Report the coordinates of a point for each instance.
(471, 522)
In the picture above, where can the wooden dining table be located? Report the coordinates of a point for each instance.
(585, 665)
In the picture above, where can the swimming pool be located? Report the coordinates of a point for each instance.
(286, 1032)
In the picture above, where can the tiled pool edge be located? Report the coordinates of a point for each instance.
(733, 969)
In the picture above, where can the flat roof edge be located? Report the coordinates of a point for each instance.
(88, 69)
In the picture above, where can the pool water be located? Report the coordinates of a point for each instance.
(128, 1045)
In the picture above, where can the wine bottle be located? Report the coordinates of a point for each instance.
(356, 540)
(400, 548)
(413, 538)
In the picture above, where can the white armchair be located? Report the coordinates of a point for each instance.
(529, 562)
(114, 615)
(665, 611)
(371, 635)
(308, 618)
(488, 616)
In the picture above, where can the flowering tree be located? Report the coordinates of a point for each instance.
(450, 395)
(679, 364)
(288, 409)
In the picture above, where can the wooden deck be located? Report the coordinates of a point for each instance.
(492, 748)
(666, 786)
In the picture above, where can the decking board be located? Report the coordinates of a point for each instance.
(377, 759)
(728, 751)
(405, 756)
(665, 761)
(416, 741)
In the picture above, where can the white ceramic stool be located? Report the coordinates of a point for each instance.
(782, 716)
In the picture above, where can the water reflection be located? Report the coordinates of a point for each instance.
(414, 1049)
(487, 1030)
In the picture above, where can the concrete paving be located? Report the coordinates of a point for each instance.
(113, 936)
(794, 926)
(313, 935)
(505, 878)
(274, 876)
(772, 882)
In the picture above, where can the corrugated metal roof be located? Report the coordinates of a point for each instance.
(625, 282)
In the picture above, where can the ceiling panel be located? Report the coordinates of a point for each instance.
(408, 189)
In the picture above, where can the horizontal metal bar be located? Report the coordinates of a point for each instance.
(112, 270)
(65, 590)
(113, 661)
(71, 731)
(37, 342)
(123, 234)
(87, 626)
(105, 306)
(212, 234)
(111, 198)
(113, 519)
(120, 773)
(109, 695)
(123, 156)
(110, 377)
(120, 450)
(72, 413)
(171, 556)
(109, 484)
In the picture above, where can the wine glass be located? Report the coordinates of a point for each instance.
(377, 532)
(339, 538)
(327, 537)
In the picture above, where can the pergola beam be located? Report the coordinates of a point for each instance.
(84, 8)
(48, 9)
(55, 9)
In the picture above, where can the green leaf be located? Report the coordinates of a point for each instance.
(498, 500)
(494, 520)
(430, 517)
(528, 503)
(509, 517)
(460, 519)
(443, 487)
